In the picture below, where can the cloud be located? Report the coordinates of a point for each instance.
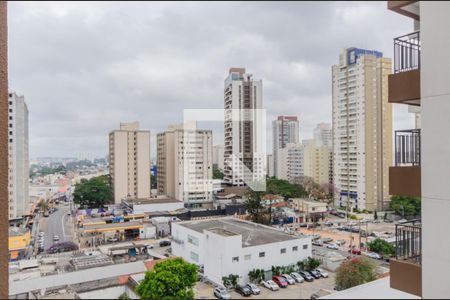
(86, 67)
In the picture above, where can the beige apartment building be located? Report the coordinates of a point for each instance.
(129, 162)
(184, 164)
(317, 161)
(362, 129)
(285, 130)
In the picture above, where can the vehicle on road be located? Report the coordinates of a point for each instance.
(316, 236)
(41, 234)
(288, 278)
(253, 288)
(62, 247)
(243, 290)
(303, 225)
(322, 273)
(46, 213)
(339, 242)
(271, 285)
(328, 223)
(332, 246)
(280, 281)
(221, 293)
(306, 276)
(297, 277)
(355, 251)
(317, 243)
(55, 238)
(327, 240)
(315, 274)
(164, 243)
(112, 239)
(372, 255)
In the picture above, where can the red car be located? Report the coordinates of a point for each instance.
(355, 251)
(280, 281)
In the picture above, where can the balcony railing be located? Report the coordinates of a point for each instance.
(408, 241)
(407, 147)
(407, 52)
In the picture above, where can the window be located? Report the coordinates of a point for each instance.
(283, 250)
(305, 247)
(247, 257)
(192, 240)
(235, 259)
(194, 256)
(262, 254)
(295, 248)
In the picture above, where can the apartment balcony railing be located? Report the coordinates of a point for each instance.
(407, 147)
(407, 52)
(408, 241)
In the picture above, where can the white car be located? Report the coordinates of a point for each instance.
(55, 238)
(41, 234)
(332, 246)
(322, 273)
(271, 285)
(288, 278)
(372, 255)
(297, 277)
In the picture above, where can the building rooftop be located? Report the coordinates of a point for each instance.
(235, 190)
(110, 226)
(252, 234)
(157, 200)
(17, 231)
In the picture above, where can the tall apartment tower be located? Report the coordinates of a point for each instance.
(323, 135)
(18, 192)
(129, 162)
(245, 155)
(285, 131)
(291, 166)
(362, 126)
(218, 151)
(184, 164)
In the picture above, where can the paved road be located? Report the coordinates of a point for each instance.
(56, 224)
(345, 253)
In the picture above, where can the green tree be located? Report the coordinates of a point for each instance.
(93, 193)
(254, 206)
(153, 182)
(123, 296)
(382, 247)
(405, 206)
(43, 205)
(284, 188)
(217, 174)
(354, 272)
(230, 281)
(170, 279)
(311, 263)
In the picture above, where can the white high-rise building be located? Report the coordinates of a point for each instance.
(218, 156)
(184, 164)
(323, 135)
(245, 155)
(18, 160)
(270, 165)
(291, 162)
(129, 162)
(285, 131)
(362, 128)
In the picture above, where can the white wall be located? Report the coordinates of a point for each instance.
(109, 293)
(143, 208)
(435, 104)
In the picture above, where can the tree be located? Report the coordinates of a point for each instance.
(254, 206)
(284, 188)
(153, 182)
(123, 296)
(230, 281)
(93, 193)
(43, 205)
(170, 279)
(217, 174)
(354, 272)
(382, 247)
(312, 263)
(405, 206)
(375, 215)
(256, 275)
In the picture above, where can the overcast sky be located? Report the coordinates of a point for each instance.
(86, 67)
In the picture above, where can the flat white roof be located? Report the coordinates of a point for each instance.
(377, 289)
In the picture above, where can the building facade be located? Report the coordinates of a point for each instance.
(285, 131)
(270, 166)
(291, 162)
(244, 132)
(323, 135)
(227, 246)
(18, 159)
(129, 162)
(362, 129)
(184, 164)
(218, 156)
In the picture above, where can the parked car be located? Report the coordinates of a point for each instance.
(315, 274)
(328, 223)
(243, 290)
(303, 225)
(297, 277)
(288, 278)
(41, 234)
(339, 242)
(355, 251)
(372, 255)
(253, 288)
(55, 238)
(221, 293)
(280, 281)
(402, 221)
(112, 239)
(164, 243)
(322, 273)
(332, 246)
(271, 285)
(315, 236)
(62, 247)
(327, 240)
(306, 276)
(317, 242)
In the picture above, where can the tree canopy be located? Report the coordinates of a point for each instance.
(382, 247)
(93, 193)
(284, 188)
(170, 279)
(405, 206)
(354, 272)
(217, 174)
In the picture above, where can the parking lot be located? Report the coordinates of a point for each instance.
(296, 291)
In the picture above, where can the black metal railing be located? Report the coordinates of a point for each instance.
(407, 52)
(407, 147)
(408, 241)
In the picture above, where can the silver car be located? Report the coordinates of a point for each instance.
(322, 273)
(221, 293)
(271, 285)
(297, 277)
(255, 290)
(288, 278)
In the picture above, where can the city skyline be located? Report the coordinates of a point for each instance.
(129, 82)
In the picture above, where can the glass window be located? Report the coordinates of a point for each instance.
(192, 240)
(194, 256)
(247, 257)
(305, 247)
(283, 250)
(295, 248)
(235, 259)
(262, 254)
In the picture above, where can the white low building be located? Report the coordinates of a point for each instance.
(227, 246)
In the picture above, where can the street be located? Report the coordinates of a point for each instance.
(57, 223)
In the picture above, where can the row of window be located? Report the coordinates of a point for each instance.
(263, 254)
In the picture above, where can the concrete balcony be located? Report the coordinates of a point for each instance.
(406, 276)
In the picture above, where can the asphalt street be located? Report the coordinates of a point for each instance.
(56, 223)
